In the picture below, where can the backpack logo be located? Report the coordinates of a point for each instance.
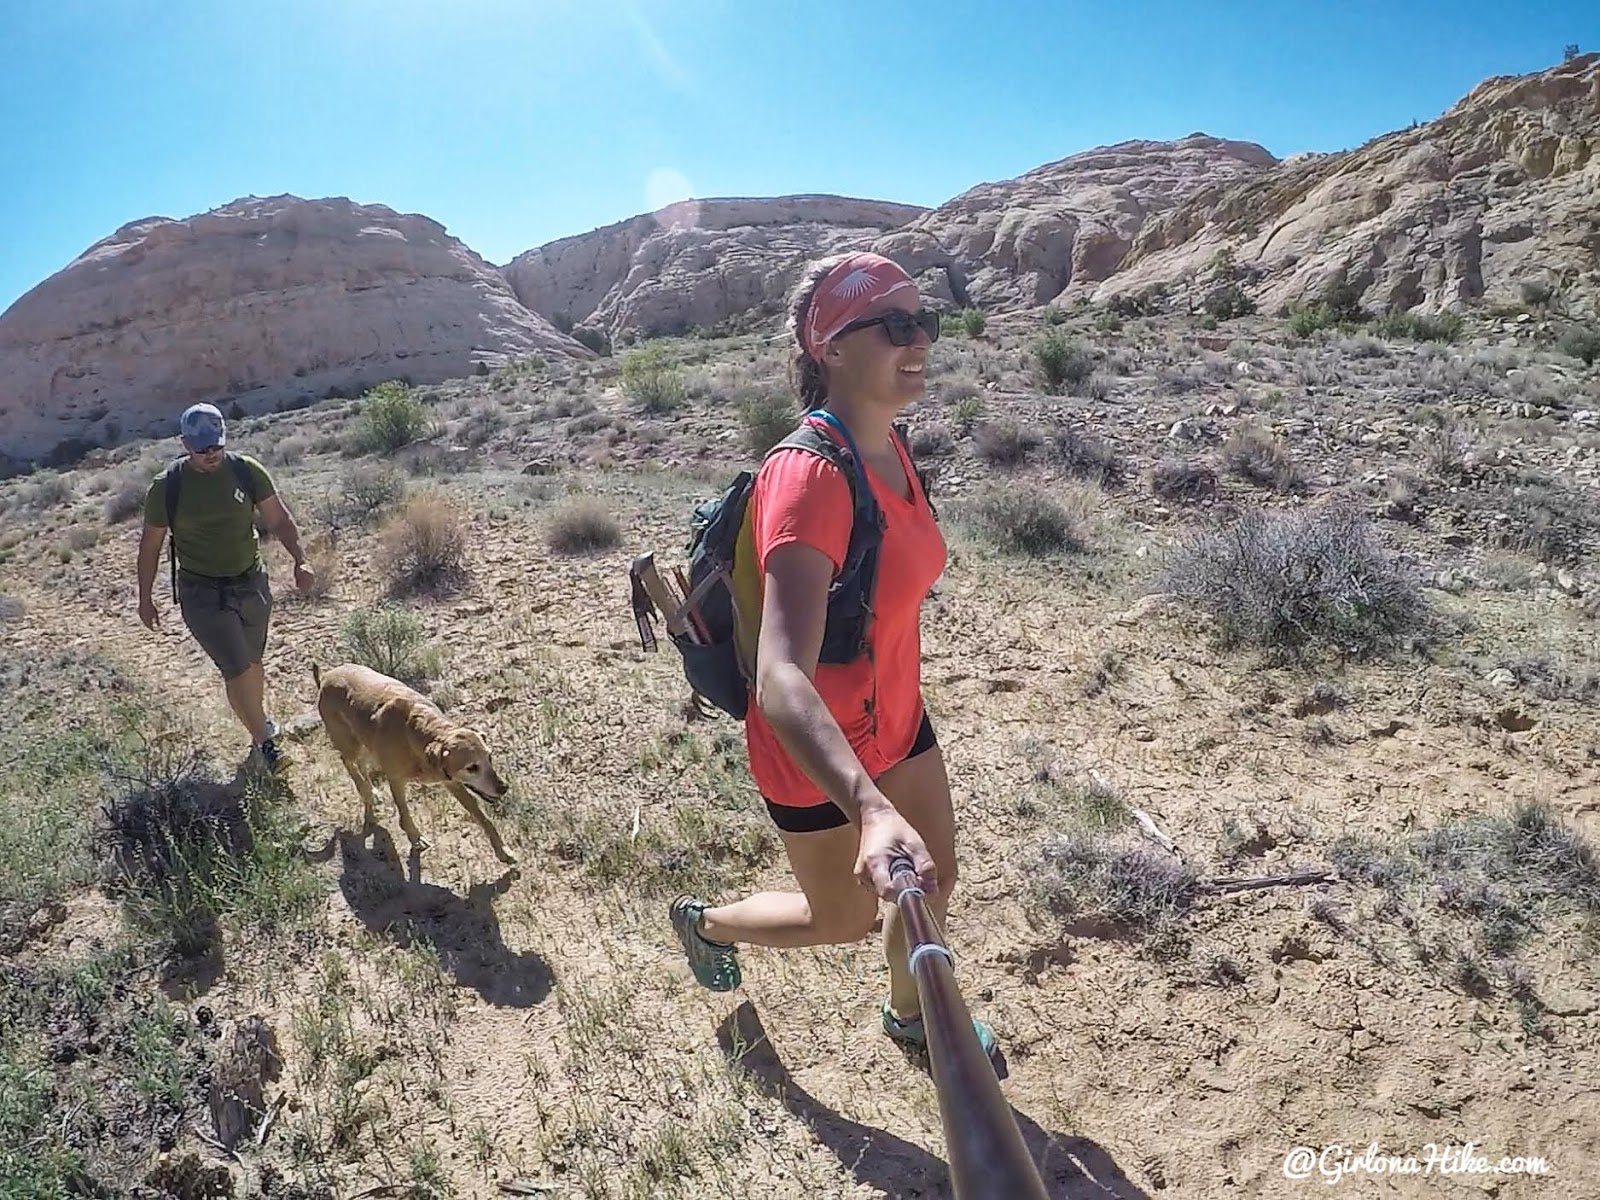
(238, 495)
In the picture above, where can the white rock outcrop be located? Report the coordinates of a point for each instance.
(258, 303)
(695, 262)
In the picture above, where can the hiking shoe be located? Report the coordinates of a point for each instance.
(271, 732)
(271, 755)
(912, 1032)
(715, 964)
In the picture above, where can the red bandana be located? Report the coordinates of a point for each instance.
(847, 292)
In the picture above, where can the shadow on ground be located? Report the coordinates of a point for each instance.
(391, 900)
(1072, 1168)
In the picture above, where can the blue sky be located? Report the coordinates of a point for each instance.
(514, 122)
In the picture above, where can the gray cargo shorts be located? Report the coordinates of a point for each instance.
(228, 617)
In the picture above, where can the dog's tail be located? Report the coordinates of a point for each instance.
(316, 674)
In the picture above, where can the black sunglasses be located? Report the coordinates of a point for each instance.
(900, 325)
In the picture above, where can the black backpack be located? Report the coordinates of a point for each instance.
(720, 615)
(174, 481)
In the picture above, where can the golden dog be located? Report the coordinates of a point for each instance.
(371, 718)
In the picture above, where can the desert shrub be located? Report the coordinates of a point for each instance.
(1338, 307)
(1183, 479)
(391, 417)
(391, 641)
(367, 490)
(1536, 294)
(1003, 443)
(1073, 876)
(1419, 327)
(974, 322)
(965, 412)
(1084, 457)
(124, 499)
(1258, 456)
(44, 492)
(1227, 302)
(1555, 678)
(594, 339)
(184, 850)
(1538, 515)
(1147, 303)
(424, 546)
(1581, 341)
(1063, 363)
(1023, 520)
(767, 418)
(1300, 580)
(1478, 886)
(1303, 322)
(649, 379)
(931, 441)
(582, 525)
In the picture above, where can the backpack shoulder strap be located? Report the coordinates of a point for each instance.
(866, 521)
(174, 480)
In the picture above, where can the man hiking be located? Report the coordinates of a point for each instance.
(209, 499)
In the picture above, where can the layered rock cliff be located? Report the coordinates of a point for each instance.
(257, 303)
(694, 262)
(1501, 190)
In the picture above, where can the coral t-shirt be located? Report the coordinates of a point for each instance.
(877, 700)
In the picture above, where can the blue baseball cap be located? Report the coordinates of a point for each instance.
(202, 427)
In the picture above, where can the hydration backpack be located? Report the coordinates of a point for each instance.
(174, 481)
(718, 621)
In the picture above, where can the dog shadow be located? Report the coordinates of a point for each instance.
(1072, 1168)
(394, 902)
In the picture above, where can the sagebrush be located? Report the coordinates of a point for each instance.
(1299, 580)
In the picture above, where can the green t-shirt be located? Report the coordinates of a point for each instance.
(214, 527)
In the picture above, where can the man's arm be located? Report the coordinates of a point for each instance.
(150, 540)
(281, 522)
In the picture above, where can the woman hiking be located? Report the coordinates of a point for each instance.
(844, 755)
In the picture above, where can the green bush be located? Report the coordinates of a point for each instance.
(1581, 341)
(391, 417)
(1419, 327)
(1062, 361)
(768, 418)
(1023, 520)
(648, 378)
(391, 641)
(1228, 302)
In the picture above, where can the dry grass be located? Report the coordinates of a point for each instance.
(1300, 582)
(424, 547)
(1024, 520)
(582, 526)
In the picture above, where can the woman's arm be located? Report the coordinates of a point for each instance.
(794, 613)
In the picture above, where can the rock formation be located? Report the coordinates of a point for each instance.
(1066, 224)
(1498, 192)
(259, 303)
(694, 262)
